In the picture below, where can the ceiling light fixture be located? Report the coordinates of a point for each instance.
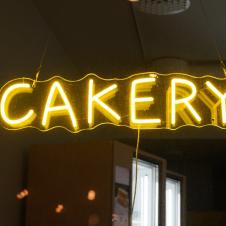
(162, 7)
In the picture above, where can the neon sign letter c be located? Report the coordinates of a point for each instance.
(7, 96)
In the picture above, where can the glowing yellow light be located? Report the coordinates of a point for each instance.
(141, 103)
(211, 105)
(221, 97)
(51, 110)
(22, 194)
(59, 208)
(7, 96)
(183, 101)
(91, 195)
(182, 111)
(97, 101)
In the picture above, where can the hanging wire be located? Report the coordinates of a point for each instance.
(139, 38)
(213, 38)
(41, 60)
(136, 172)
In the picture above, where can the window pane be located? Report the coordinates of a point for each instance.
(145, 211)
(173, 202)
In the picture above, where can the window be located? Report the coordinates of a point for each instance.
(146, 207)
(173, 202)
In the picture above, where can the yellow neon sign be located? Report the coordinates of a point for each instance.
(221, 97)
(141, 103)
(97, 101)
(51, 110)
(6, 99)
(144, 101)
(177, 104)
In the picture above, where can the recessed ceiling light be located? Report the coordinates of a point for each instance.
(162, 7)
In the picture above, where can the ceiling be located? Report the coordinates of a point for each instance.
(108, 37)
(189, 35)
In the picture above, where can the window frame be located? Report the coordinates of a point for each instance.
(162, 163)
(179, 177)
